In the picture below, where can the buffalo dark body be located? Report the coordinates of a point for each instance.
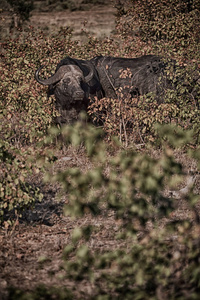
(143, 75)
(146, 74)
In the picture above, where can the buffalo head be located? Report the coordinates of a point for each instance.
(68, 83)
(73, 84)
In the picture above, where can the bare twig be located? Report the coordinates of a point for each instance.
(184, 191)
(126, 140)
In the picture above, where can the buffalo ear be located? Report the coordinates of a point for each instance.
(51, 89)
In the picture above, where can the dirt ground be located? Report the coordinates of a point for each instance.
(98, 20)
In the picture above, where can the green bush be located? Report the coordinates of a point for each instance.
(16, 192)
(155, 257)
(25, 113)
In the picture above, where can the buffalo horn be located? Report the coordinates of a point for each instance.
(91, 72)
(53, 79)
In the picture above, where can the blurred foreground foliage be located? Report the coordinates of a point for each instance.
(157, 255)
(156, 259)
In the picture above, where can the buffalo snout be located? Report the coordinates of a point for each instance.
(78, 95)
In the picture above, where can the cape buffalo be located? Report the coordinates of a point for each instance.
(74, 82)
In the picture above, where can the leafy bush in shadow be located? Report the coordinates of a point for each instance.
(170, 25)
(16, 193)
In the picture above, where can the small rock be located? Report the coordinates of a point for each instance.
(66, 158)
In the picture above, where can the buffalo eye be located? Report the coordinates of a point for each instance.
(80, 78)
(67, 81)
